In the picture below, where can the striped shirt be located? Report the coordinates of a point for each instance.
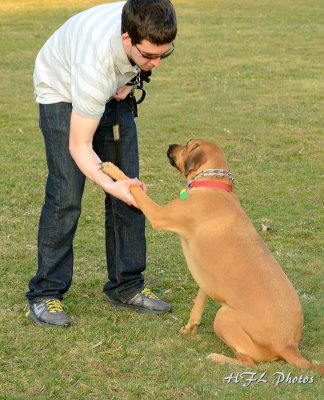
(84, 61)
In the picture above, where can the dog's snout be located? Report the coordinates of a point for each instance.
(171, 147)
(170, 155)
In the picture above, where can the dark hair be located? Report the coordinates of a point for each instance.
(152, 20)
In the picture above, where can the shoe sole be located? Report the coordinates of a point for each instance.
(33, 317)
(131, 307)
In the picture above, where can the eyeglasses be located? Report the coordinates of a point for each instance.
(150, 56)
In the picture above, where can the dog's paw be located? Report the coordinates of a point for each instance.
(220, 358)
(107, 167)
(189, 329)
(113, 171)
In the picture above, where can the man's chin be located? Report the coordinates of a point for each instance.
(141, 67)
(144, 68)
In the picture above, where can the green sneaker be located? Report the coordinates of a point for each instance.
(49, 312)
(145, 302)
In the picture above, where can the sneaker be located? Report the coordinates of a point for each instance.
(145, 302)
(46, 311)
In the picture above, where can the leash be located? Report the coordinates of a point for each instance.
(116, 136)
(138, 84)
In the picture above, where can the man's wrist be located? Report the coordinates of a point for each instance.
(104, 181)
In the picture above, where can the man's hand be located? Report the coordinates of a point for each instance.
(121, 190)
(123, 92)
(81, 135)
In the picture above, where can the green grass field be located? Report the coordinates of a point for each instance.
(246, 74)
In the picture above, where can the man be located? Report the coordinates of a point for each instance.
(80, 77)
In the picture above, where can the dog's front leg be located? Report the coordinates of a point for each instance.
(147, 205)
(162, 218)
(196, 313)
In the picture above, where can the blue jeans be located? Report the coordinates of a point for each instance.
(125, 225)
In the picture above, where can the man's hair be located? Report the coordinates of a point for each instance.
(152, 20)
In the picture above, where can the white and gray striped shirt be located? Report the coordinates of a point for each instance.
(84, 61)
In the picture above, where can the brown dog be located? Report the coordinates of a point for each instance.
(260, 317)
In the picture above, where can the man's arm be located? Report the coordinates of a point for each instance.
(82, 131)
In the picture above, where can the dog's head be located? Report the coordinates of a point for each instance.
(196, 156)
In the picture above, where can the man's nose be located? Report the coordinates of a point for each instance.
(156, 61)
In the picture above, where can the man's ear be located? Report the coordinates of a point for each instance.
(126, 38)
(127, 43)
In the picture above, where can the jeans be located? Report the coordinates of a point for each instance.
(124, 225)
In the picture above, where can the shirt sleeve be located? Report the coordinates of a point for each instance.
(91, 89)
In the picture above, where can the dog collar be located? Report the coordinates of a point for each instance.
(214, 172)
(205, 184)
(211, 184)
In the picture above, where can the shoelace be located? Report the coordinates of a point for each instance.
(54, 306)
(148, 293)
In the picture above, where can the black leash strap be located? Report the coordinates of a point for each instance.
(116, 135)
(137, 82)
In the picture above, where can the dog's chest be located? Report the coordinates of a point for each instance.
(192, 263)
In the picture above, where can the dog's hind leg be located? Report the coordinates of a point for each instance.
(228, 328)
(292, 356)
(241, 359)
(196, 313)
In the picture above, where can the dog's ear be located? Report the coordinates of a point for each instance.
(193, 161)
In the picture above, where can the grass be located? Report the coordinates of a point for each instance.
(245, 74)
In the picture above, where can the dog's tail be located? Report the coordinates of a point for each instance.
(293, 357)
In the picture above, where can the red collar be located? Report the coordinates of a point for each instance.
(211, 184)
